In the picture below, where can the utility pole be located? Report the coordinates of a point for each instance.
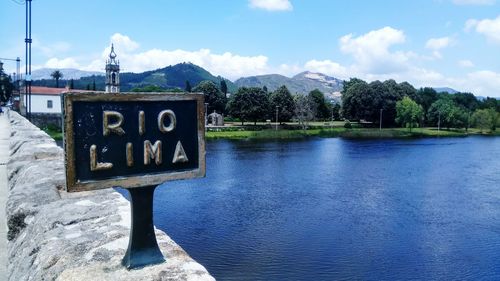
(439, 120)
(331, 124)
(27, 75)
(277, 118)
(381, 119)
(206, 118)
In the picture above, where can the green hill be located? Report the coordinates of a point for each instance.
(170, 77)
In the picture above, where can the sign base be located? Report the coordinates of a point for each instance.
(143, 248)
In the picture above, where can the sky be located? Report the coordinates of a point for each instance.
(438, 43)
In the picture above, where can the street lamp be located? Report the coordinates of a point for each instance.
(381, 119)
(277, 117)
(439, 121)
(333, 108)
(206, 120)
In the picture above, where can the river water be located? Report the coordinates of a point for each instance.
(337, 209)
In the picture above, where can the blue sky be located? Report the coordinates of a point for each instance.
(453, 43)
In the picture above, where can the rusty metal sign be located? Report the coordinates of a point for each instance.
(132, 139)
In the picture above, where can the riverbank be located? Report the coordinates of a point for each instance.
(329, 132)
(359, 133)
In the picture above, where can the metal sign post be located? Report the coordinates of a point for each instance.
(136, 141)
(142, 246)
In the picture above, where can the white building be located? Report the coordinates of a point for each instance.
(44, 99)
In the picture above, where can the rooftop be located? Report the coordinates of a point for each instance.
(37, 90)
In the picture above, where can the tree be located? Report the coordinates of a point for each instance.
(304, 110)
(466, 100)
(57, 75)
(490, 103)
(425, 97)
(71, 84)
(284, 100)
(322, 107)
(148, 88)
(356, 99)
(408, 112)
(362, 101)
(494, 118)
(188, 87)
(336, 111)
(88, 87)
(249, 104)
(6, 86)
(213, 96)
(264, 88)
(444, 112)
(481, 119)
(93, 85)
(223, 86)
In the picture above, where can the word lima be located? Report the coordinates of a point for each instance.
(151, 151)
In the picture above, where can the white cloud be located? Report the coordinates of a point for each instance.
(474, 2)
(227, 64)
(271, 5)
(372, 53)
(465, 63)
(438, 43)
(50, 50)
(487, 27)
(123, 43)
(62, 63)
(372, 59)
(328, 67)
(483, 83)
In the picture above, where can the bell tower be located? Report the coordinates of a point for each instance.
(112, 73)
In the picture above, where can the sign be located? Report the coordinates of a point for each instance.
(132, 139)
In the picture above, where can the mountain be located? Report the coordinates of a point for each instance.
(170, 77)
(68, 73)
(445, 89)
(301, 83)
(174, 76)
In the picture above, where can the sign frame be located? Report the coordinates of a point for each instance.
(134, 181)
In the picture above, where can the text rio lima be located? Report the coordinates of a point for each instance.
(152, 151)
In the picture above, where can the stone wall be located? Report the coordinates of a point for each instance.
(55, 235)
(47, 119)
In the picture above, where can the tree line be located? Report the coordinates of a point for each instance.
(254, 104)
(401, 104)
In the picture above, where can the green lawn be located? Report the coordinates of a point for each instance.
(327, 131)
(360, 133)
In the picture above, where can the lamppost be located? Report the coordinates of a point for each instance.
(277, 117)
(381, 119)
(16, 76)
(439, 120)
(333, 107)
(206, 120)
(27, 75)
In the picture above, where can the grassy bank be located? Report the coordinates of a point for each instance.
(356, 133)
(53, 132)
(327, 132)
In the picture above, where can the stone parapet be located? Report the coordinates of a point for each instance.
(55, 235)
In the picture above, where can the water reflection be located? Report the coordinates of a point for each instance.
(329, 209)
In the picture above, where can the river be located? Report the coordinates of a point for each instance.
(337, 209)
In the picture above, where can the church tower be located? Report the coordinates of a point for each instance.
(112, 73)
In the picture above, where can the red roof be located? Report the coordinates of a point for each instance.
(36, 90)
